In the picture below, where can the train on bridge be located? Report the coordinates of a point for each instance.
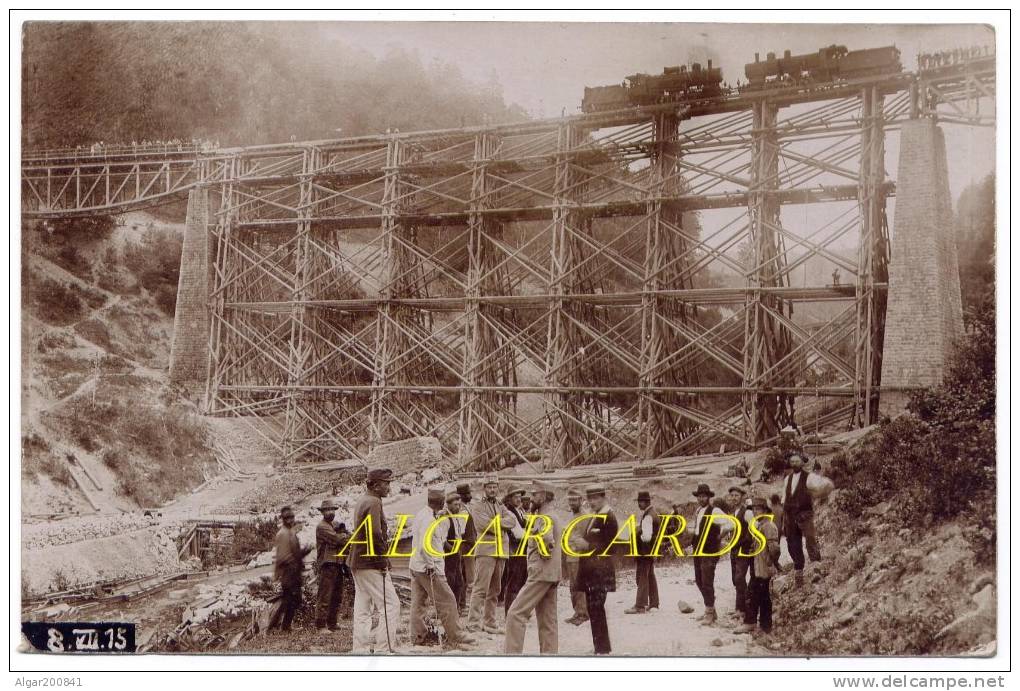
(832, 64)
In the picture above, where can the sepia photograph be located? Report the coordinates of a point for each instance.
(481, 339)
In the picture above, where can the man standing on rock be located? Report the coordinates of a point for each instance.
(704, 567)
(328, 543)
(373, 587)
(799, 517)
(288, 568)
(570, 563)
(428, 576)
(740, 566)
(597, 573)
(543, 579)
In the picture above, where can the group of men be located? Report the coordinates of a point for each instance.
(466, 585)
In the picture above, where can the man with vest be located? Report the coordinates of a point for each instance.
(464, 490)
(453, 562)
(799, 517)
(428, 576)
(516, 571)
(710, 535)
(373, 587)
(597, 573)
(570, 563)
(740, 566)
(488, 561)
(647, 588)
(543, 579)
(328, 542)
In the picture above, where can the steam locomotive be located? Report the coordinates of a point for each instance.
(674, 84)
(831, 64)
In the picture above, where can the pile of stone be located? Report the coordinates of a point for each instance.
(81, 528)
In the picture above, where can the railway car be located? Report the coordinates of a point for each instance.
(831, 64)
(676, 83)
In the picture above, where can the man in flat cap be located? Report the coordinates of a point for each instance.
(704, 567)
(597, 573)
(328, 543)
(373, 587)
(516, 571)
(469, 535)
(763, 567)
(453, 562)
(741, 566)
(428, 573)
(647, 596)
(488, 561)
(287, 568)
(544, 570)
(570, 563)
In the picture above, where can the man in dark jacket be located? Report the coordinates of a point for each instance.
(516, 571)
(469, 535)
(453, 562)
(647, 596)
(373, 588)
(799, 517)
(328, 542)
(740, 566)
(287, 568)
(597, 573)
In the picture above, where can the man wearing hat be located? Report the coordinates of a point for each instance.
(488, 563)
(453, 562)
(647, 587)
(428, 573)
(544, 570)
(287, 568)
(704, 567)
(764, 566)
(516, 571)
(741, 566)
(570, 563)
(469, 535)
(373, 587)
(597, 574)
(328, 542)
(799, 517)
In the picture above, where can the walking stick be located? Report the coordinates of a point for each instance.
(435, 605)
(386, 618)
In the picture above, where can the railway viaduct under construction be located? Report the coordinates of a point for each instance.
(544, 291)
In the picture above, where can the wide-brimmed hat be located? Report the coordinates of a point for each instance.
(436, 495)
(595, 490)
(644, 496)
(703, 490)
(463, 488)
(512, 491)
(574, 492)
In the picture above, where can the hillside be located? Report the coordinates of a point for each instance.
(100, 429)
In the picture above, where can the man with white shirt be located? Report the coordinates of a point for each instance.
(799, 517)
(647, 588)
(708, 536)
(428, 577)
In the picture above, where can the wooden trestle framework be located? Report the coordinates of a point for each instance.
(545, 292)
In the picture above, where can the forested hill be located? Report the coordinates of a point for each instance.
(236, 83)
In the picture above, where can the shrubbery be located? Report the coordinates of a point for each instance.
(938, 462)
